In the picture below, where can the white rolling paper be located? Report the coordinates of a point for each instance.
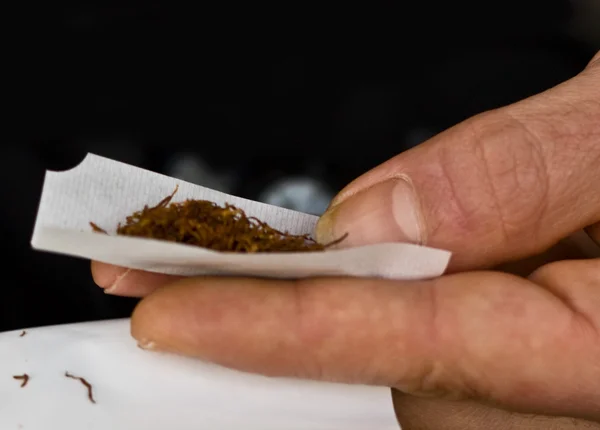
(136, 389)
(106, 192)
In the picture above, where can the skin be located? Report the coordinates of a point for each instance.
(508, 338)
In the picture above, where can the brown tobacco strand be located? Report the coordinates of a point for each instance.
(23, 333)
(24, 377)
(98, 229)
(84, 382)
(205, 224)
(164, 202)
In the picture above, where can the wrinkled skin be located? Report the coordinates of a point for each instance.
(508, 338)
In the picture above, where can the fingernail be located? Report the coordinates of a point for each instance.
(112, 289)
(386, 212)
(147, 345)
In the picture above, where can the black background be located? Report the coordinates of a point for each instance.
(260, 91)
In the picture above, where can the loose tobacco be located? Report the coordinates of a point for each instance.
(24, 377)
(87, 385)
(205, 224)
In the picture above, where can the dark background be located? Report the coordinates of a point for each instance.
(258, 102)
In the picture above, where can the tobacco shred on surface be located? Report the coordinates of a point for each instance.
(24, 377)
(97, 229)
(85, 383)
(205, 224)
(23, 333)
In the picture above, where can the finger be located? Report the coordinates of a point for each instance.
(578, 246)
(576, 283)
(485, 335)
(595, 61)
(499, 187)
(594, 233)
(433, 414)
(585, 243)
(121, 281)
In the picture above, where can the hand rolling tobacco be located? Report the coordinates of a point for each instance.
(205, 224)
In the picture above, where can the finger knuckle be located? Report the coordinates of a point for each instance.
(438, 374)
(577, 274)
(550, 272)
(507, 166)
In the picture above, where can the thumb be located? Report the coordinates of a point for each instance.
(508, 183)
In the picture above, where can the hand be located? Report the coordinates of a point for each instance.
(505, 185)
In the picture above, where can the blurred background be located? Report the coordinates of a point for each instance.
(283, 105)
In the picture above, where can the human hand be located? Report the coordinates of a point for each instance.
(502, 186)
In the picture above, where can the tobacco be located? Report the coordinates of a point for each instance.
(84, 382)
(97, 229)
(220, 228)
(23, 333)
(24, 377)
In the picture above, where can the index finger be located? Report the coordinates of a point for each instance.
(127, 282)
(491, 336)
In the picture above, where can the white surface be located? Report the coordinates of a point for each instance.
(136, 389)
(105, 192)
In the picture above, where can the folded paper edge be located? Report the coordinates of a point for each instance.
(362, 248)
(91, 157)
(53, 239)
(48, 174)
